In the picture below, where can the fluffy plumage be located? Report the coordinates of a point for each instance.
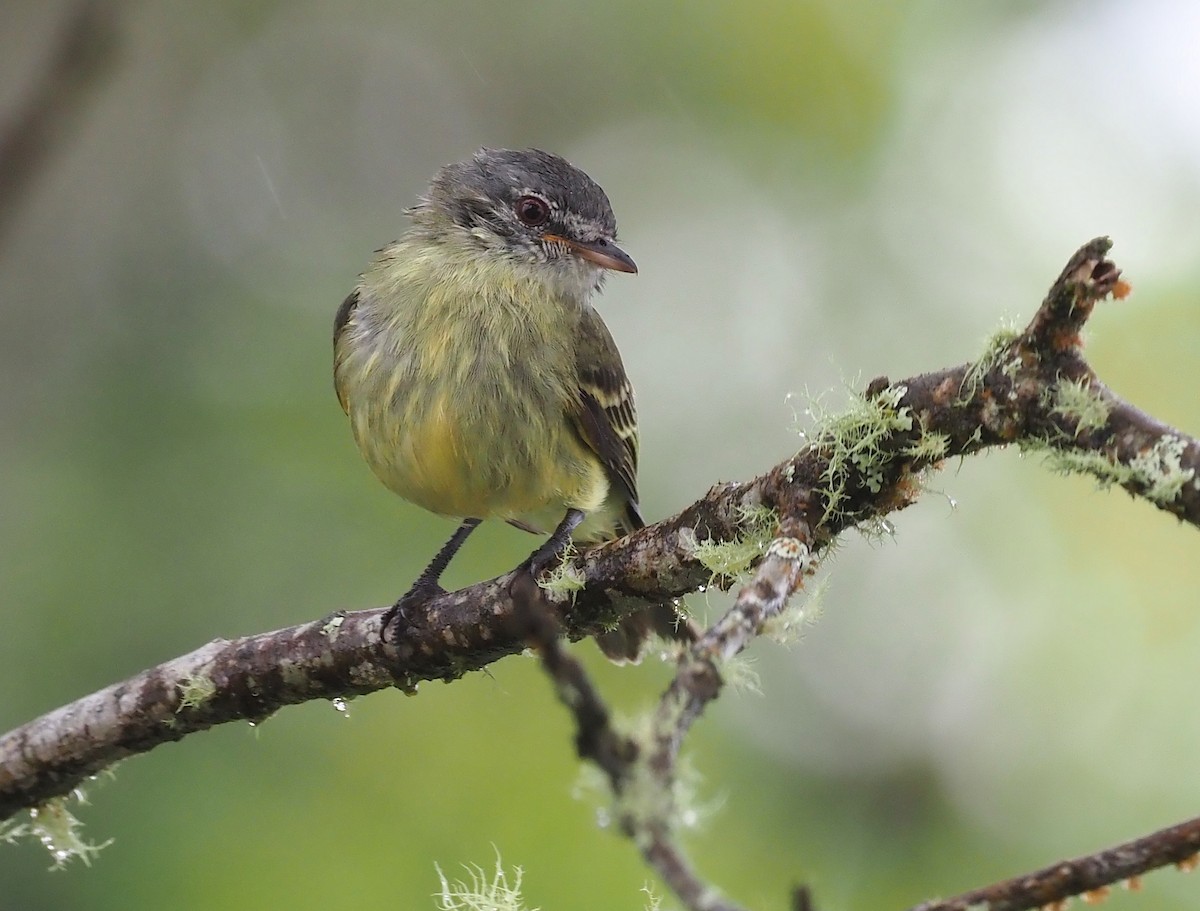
(478, 379)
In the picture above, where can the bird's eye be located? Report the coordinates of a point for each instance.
(533, 211)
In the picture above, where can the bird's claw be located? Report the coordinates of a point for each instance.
(542, 559)
(422, 591)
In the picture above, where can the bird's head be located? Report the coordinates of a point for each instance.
(529, 206)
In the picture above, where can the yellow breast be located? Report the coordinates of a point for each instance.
(459, 400)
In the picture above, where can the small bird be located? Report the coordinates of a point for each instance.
(480, 382)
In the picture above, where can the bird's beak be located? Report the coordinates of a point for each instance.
(604, 253)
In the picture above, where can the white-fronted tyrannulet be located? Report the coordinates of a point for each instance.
(479, 381)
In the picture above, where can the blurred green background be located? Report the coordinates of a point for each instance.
(816, 193)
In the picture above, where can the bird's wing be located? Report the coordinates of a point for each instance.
(340, 319)
(607, 419)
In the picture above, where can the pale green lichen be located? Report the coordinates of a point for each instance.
(997, 345)
(1160, 469)
(1077, 401)
(482, 893)
(56, 829)
(194, 691)
(1011, 367)
(564, 580)
(1096, 465)
(593, 787)
(332, 625)
(757, 525)
(929, 447)
(876, 529)
(653, 901)
(787, 627)
(855, 439)
(13, 831)
(739, 675)
(643, 799)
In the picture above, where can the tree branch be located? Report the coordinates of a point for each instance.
(1056, 400)
(1091, 876)
(643, 772)
(1033, 388)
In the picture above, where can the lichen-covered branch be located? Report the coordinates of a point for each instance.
(1092, 876)
(1032, 388)
(643, 770)
(225, 680)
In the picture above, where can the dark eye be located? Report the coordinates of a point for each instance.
(532, 211)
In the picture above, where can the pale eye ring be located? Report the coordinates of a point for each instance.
(533, 211)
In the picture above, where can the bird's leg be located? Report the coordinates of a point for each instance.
(554, 545)
(428, 580)
(427, 585)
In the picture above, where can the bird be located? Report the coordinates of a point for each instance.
(478, 378)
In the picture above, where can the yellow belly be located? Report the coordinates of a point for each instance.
(503, 462)
(460, 402)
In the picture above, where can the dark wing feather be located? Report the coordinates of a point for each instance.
(607, 419)
(607, 422)
(343, 314)
(340, 319)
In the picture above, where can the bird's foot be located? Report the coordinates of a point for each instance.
(543, 558)
(554, 546)
(422, 591)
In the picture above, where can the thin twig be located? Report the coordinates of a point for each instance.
(644, 817)
(1091, 875)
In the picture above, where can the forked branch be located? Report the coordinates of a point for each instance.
(1033, 388)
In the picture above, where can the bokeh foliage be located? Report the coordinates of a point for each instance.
(817, 193)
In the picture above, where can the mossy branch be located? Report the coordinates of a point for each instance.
(1032, 387)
